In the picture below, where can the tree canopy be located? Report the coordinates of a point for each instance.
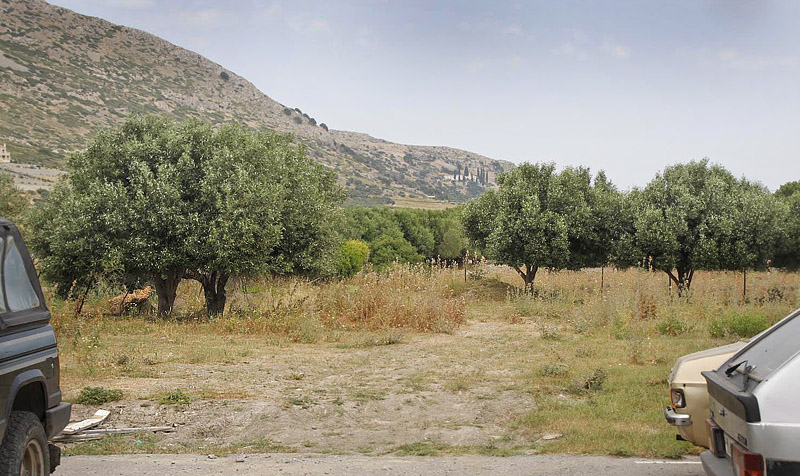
(542, 218)
(406, 235)
(699, 216)
(160, 201)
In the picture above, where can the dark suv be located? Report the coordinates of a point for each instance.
(31, 410)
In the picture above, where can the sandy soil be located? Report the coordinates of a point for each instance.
(324, 398)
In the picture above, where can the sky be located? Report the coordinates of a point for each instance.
(627, 86)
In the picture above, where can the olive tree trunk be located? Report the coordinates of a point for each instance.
(213, 283)
(166, 285)
(683, 280)
(528, 275)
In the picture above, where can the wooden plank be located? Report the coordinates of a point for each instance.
(122, 431)
(75, 438)
(99, 417)
(88, 435)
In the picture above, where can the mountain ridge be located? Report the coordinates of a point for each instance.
(64, 76)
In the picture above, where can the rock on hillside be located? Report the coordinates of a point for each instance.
(64, 75)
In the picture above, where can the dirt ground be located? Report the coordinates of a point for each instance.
(459, 390)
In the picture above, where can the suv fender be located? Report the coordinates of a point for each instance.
(32, 376)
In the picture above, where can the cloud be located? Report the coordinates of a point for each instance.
(132, 4)
(575, 47)
(513, 30)
(365, 37)
(201, 18)
(617, 51)
(733, 58)
(570, 49)
(515, 61)
(478, 64)
(738, 60)
(309, 26)
(261, 13)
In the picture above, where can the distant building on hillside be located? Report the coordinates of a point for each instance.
(5, 157)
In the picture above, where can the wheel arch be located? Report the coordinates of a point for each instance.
(28, 393)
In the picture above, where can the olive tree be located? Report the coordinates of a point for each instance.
(757, 231)
(12, 200)
(164, 201)
(539, 218)
(788, 253)
(699, 216)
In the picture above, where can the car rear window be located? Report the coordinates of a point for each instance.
(19, 292)
(773, 349)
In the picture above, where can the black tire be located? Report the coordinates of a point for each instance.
(24, 450)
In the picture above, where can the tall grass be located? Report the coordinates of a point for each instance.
(406, 297)
(638, 303)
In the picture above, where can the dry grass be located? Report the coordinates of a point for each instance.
(407, 297)
(593, 364)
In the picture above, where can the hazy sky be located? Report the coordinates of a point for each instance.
(625, 86)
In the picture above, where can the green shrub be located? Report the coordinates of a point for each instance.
(671, 326)
(591, 382)
(97, 396)
(353, 256)
(176, 397)
(554, 369)
(739, 325)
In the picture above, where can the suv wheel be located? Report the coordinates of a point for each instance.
(24, 450)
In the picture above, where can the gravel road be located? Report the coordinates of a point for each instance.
(313, 465)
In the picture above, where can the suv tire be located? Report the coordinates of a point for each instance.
(24, 450)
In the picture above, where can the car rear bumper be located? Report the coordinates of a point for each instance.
(676, 419)
(714, 466)
(57, 418)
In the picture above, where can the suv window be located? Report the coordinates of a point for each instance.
(19, 292)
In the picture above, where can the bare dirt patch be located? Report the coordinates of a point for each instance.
(443, 389)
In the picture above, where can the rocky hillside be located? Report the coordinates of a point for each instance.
(64, 75)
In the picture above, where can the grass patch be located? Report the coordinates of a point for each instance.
(97, 396)
(175, 397)
(425, 448)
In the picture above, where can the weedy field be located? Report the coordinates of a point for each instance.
(415, 361)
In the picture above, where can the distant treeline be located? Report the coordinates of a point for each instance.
(407, 235)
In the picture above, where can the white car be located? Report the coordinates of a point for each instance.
(755, 416)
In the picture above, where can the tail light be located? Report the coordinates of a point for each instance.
(745, 463)
(677, 398)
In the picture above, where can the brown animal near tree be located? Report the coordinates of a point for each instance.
(138, 299)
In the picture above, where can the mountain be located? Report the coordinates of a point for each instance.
(63, 76)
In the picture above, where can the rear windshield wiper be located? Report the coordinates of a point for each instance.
(733, 368)
(747, 373)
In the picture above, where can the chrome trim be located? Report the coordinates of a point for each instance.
(676, 419)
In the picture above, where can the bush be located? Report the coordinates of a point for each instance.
(323, 125)
(591, 382)
(97, 396)
(353, 257)
(671, 326)
(176, 397)
(224, 76)
(287, 111)
(297, 120)
(738, 325)
(554, 369)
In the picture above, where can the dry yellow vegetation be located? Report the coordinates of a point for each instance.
(413, 361)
